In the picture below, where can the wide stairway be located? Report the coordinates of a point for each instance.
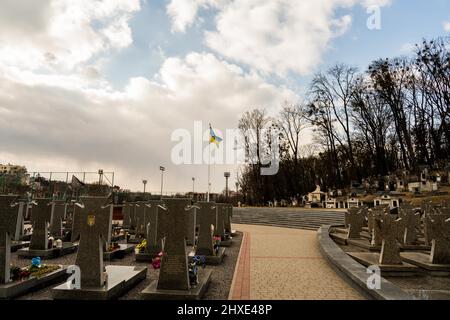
(308, 219)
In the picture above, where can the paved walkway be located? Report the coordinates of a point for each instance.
(285, 264)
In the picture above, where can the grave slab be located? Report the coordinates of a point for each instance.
(119, 253)
(120, 280)
(339, 238)
(17, 288)
(17, 245)
(368, 259)
(364, 244)
(423, 261)
(193, 293)
(68, 248)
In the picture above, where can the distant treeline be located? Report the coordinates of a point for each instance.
(393, 117)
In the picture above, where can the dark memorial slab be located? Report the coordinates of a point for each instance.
(92, 225)
(17, 242)
(374, 241)
(20, 205)
(57, 217)
(228, 229)
(191, 227)
(41, 216)
(152, 224)
(356, 221)
(129, 218)
(221, 218)
(9, 220)
(173, 281)
(120, 252)
(140, 209)
(438, 262)
(206, 220)
(389, 260)
(410, 229)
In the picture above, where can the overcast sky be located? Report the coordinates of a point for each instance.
(89, 84)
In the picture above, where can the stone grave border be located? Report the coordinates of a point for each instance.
(354, 273)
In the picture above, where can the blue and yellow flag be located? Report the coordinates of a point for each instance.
(213, 138)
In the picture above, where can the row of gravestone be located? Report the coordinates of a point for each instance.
(166, 224)
(142, 219)
(403, 239)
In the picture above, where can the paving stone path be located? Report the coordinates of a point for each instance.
(285, 264)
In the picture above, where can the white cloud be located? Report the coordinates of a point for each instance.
(446, 26)
(61, 34)
(183, 13)
(54, 122)
(272, 36)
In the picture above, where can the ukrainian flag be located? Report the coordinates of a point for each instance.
(213, 138)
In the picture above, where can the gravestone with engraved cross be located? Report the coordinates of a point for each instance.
(191, 226)
(41, 216)
(152, 222)
(440, 235)
(411, 225)
(58, 215)
(172, 224)
(9, 222)
(139, 213)
(389, 227)
(228, 219)
(129, 217)
(221, 215)
(356, 221)
(207, 246)
(173, 281)
(92, 226)
(206, 221)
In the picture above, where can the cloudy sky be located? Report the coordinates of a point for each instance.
(89, 84)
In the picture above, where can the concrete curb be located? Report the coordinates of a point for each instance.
(354, 273)
(236, 267)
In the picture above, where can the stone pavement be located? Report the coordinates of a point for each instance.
(285, 264)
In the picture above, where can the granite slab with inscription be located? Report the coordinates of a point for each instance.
(173, 281)
(92, 226)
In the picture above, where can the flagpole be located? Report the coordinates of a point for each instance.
(209, 170)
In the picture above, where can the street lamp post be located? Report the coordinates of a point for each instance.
(226, 175)
(100, 176)
(193, 187)
(162, 179)
(145, 183)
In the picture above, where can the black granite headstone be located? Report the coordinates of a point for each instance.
(139, 213)
(228, 218)
(174, 265)
(153, 213)
(41, 215)
(222, 215)
(389, 227)
(129, 215)
(206, 220)
(92, 225)
(9, 221)
(58, 215)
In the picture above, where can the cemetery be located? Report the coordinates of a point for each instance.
(160, 264)
(410, 246)
(177, 248)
